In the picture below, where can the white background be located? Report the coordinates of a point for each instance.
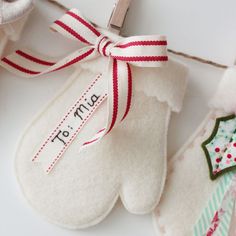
(203, 28)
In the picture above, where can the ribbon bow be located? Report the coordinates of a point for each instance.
(141, 51)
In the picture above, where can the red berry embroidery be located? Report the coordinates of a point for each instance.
(217, 149)
(229, 155)
(219, 160)
(234, 144)
(235, 159)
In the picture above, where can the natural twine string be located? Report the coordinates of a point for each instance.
(182, 54)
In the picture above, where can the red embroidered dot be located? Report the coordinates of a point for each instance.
(219, 160)
(235, 159)
(234, 144)
(229, 155)
(217, 149)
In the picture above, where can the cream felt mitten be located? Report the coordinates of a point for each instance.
(200, 190)
(129, 162)
(13, 15)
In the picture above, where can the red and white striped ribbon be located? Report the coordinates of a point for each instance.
(141, 51)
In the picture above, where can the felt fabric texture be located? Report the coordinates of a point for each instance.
(129, 163)
(11, 31)
(13, 10)
(3, 41)
(189, 187)
(225, 96)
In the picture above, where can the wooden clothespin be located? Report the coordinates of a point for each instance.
(118, 15)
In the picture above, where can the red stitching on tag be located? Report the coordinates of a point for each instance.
(62, 121)
(74, 135)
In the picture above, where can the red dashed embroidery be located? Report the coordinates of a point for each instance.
(62, 121)
(74, 135)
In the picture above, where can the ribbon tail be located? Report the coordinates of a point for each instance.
(119, 98)
(29, 64)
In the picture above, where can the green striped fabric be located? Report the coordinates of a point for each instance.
(213, 205)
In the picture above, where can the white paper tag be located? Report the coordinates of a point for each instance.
(71, 124)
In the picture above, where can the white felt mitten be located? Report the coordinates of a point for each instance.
(129, 162)
(12, 10)
(13, 15)
(199, 194)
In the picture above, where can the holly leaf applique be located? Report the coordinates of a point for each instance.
(220, 147)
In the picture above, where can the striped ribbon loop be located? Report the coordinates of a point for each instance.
(141, 51)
